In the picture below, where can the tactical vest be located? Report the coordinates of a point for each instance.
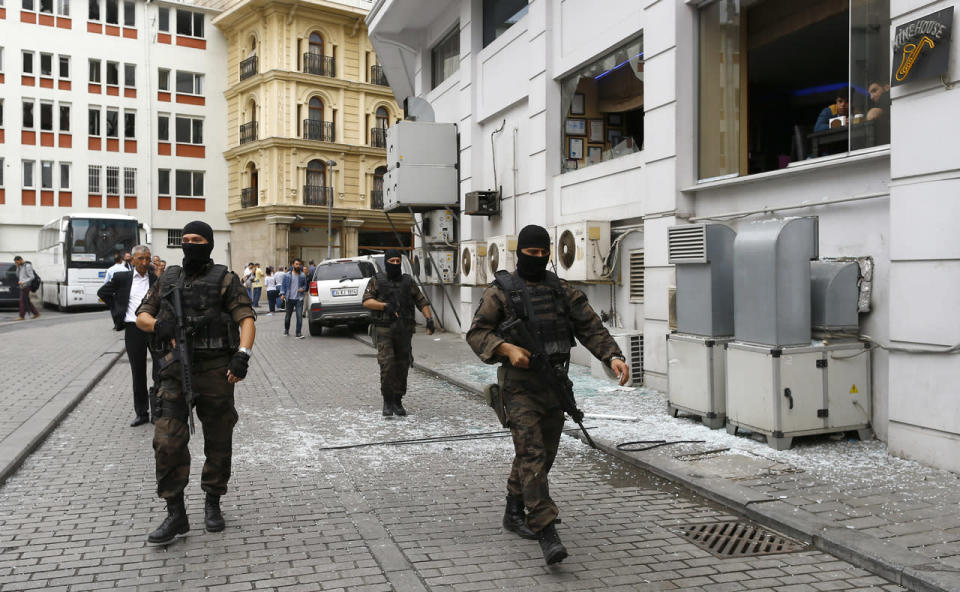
(543, 308)
(211, 328)
(397, 292)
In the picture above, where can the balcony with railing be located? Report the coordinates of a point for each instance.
(248, 132)
(317, 195)
(321, 65)
(376, 199)
(314, 129)
(248, 197)
(378, 137)
(248, 67)
(377, 76)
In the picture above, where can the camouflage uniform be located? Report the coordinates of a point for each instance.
(533, 413)
(393, 337)
(213, 397)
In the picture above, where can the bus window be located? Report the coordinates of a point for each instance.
(94, 243)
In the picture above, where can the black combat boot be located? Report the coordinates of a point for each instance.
(398, 407)
(553, 549)
(212, 516)
(514, 519)
(175, 524)
(387, 406)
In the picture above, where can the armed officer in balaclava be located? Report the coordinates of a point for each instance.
(555, 312)
(220, 325)
(391, 295)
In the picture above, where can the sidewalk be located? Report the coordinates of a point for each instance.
(891, 516)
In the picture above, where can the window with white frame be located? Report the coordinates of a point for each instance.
(130, 75)
(189, 183)
(445, 57)
(163, 182)
(129, 181)
(46, 65)
(500, 15)
(93, 179)
(28, 63)
(174, 238)
(1, 59)
(113, 74)
(93, 11)
(130, 125)
(27, 5)
(65, 169)
(189, 23)
(189, 130)
(113, 12)
(1, 172)
(113, 180)
(28, 109)
(46, 175)
(129, 14)
(163, 20)
(1, 113)
(163, 127)
(93, 122)
(113, 124)
(46, 6)
(63, 7)
(189, 83)
(29, 174)
(163, 79)
(64, 72)
(94, 72)
(64, 117)
(46, 117)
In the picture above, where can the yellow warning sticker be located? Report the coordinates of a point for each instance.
(853, 390)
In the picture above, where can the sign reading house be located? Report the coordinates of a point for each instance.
(921, 48)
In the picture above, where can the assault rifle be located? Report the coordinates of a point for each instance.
(554, 376)
(182, 349)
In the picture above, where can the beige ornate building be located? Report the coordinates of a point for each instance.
(307, 111)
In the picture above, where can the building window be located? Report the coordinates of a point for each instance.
(112, 123)
(129, 14)
(46, 175)
(63, 7)
(189, 130)
(46, 65)
(189, 23)
(28, 173)
(113, 12)
(27, 5)
(500, 15)
(64, 67)
(130, 75)
(163, 127)
(164, 19)
(1, 113)
(129, 181)
(65, 168)
(94, 71)
(93, 179)
(445, 57)
(113, 180)
(28, 114)
(637, 278)
(163, 79)
(779, 84)
(163, 182)
(46, 117)
(130, 125)
(93, 12)
(603, 108)
(1, 172)
(174, 236)
(189, 183)
(64, 118)
(93, 122)
(113, 74)
(316, 44)
(189, 83)
(46, 6)
(28, 63)
(1, 57)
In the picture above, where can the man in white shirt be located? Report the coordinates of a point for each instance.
(123, 294)
(118, 265)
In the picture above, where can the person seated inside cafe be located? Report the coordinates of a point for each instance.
(878, 105)
(838, 108)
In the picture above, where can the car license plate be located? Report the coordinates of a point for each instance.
(4, 288)
(343, 291)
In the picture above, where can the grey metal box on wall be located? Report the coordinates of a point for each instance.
(771, 281)
(420, 187)
(703, 254)
(421, 143)
(834, 292)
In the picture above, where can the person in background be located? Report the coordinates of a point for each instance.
(270, 281)
(25, 277)
(279, 275)
(248, 276)
(161, 266)
(310, 270)
(291, 293)
(838, 108)
(118, 265)
(128, 260)
(154, 263)
(257, 284)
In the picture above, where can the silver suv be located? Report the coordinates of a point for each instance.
(336, 290)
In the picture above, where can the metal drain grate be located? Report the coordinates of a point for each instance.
(735, 539)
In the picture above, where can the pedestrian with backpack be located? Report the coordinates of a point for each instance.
(29, 281)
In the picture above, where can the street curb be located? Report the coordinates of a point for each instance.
(901, 566)
(16, 447)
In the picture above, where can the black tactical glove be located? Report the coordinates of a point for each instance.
(238, 364)
(164, 330)
(430, 325)
(390, 310)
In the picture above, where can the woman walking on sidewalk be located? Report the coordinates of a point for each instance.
(25, 277)
(271, 283)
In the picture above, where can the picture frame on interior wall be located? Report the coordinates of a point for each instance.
(572, 164)
(575, 148)
(614, 136)
(575, 127)
(596, 130)
(614, 119)
(594, 154)
(577, 105)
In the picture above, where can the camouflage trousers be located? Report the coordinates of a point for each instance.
(536, 423)
(213, 397)
(395, 355)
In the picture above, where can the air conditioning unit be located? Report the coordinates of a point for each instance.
(473, 263)
(482, 203)
(418, 265)
(442, 266)
(437, 227)
(581, 249)
(501, 254)
(631, 344)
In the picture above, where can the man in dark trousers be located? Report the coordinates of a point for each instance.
(220, 323)
(122, 294)
(391, 295)
(555, 312)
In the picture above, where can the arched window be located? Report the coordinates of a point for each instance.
(316, 173)
(383, 118)
(251, 110)
(316, 44)
(316, 109)
(378, 178)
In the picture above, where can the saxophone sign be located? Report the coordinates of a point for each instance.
(921, 48)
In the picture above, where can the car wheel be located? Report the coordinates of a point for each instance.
(316, 329)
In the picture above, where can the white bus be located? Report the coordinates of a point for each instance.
(74, 253)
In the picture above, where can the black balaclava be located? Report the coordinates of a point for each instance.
(529, 267)
(196, 256)
(394, 270)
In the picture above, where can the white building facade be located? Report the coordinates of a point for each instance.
(111, 106)
(652, 113)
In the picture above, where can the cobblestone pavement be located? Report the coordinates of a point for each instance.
(412, 517)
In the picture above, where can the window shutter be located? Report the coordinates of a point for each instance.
(636, 276)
